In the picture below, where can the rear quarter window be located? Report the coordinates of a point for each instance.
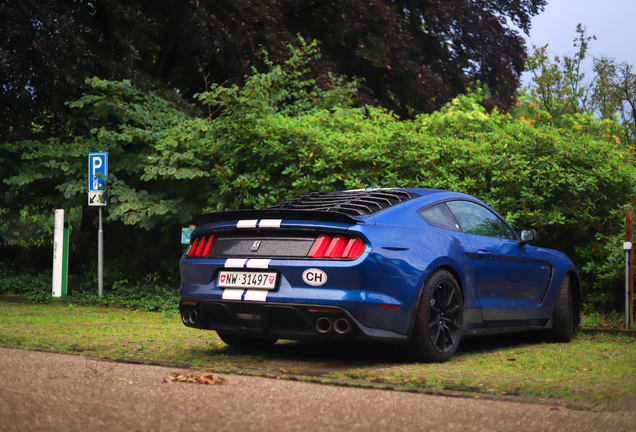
(440, 216)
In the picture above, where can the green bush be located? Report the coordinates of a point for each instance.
(149, 293)
(280, 136)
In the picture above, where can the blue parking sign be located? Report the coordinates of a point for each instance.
(97, 173)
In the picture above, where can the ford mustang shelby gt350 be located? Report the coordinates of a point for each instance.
(419, 266)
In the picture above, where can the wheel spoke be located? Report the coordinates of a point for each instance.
(437, 335)
(448, 335)
(450, 299)
(453, 309)
(437, 296)
(451, 322)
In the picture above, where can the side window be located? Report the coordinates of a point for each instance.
(439, 216)
(475, 219)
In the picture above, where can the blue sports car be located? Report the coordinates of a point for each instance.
(423, 267)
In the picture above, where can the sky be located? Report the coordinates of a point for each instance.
(611, 21)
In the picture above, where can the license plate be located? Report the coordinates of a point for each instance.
(243, 279)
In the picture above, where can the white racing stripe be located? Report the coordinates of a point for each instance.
(270, 223)
(232, 294)
(256, 295)
(235, 263)
(258, 263)
(249, 223)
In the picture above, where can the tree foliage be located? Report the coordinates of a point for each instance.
(559, 88)
(604, 106)
(283, 134)
(414, 56)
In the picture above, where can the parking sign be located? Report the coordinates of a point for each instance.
(97, 171)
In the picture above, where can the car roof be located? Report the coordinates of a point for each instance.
(429, 196)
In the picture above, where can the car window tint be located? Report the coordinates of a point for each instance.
(439, 216)
(475, 219)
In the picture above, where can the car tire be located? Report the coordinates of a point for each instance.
(563, 317)
(246, 342)
(439, 320)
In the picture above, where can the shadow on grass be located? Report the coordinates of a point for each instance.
(489, 343)
(342, 355)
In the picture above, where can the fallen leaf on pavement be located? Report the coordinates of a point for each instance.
(195, 378)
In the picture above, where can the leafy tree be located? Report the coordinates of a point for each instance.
(614, 95)
(559, 88)
(43, 60)
(48, 49)
(414, 56)
(283, 134)
(602, 107)
(155, 148)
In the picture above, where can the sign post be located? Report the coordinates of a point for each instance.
(97, 188)
(60, 254)
(629, 268)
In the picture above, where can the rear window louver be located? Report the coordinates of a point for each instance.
(355, 203)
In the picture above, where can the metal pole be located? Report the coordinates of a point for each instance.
(100, 256)
(629, 268)
(626, 287)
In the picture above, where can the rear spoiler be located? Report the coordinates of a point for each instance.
(305, 215)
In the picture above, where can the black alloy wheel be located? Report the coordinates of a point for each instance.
(443, 317)
(439, 320)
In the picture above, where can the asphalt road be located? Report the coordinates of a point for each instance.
(56, 392)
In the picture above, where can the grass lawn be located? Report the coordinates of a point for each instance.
(592, 371)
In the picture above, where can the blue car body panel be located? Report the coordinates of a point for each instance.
(506, 285)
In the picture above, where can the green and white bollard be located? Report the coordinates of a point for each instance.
(60, 253)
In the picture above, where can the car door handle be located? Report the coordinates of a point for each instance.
(483, 253)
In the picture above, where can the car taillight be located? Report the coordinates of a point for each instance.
(200, 246)
(354, 248)
(336, 247)
(320, 247)
(193, 247)
(208, 246)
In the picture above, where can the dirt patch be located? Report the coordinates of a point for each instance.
(14, 298)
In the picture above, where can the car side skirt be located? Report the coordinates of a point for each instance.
(500, 328)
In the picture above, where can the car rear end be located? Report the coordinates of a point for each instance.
(295, 271)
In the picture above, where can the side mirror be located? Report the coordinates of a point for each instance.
(529, 236)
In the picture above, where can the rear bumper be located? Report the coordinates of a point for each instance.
(280, 320)
(380, 305)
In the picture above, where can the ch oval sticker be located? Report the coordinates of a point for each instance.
(314, 277)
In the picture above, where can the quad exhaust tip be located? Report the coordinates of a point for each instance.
(185, 316)
(342, 326)
(193, 317)
(323, 325)
(189, 316)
